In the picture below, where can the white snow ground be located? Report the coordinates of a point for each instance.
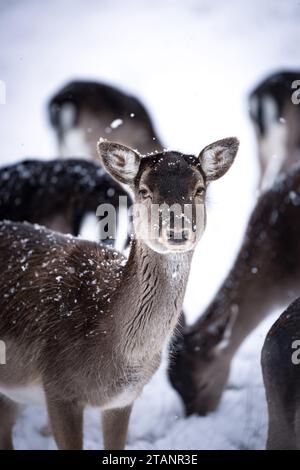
(192, 63)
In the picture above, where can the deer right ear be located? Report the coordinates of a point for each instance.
(121, 162)
(217, 158)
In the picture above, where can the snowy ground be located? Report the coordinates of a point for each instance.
(192, 63)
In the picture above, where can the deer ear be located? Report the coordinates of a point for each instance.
(217, 158)
(210, 336)
(121, 162)
(224, 330)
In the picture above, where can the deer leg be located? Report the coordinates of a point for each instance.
(115, 425)
(8, 415)
(66, 420)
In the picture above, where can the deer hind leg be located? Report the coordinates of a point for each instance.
(115, 426)
(8, 416)
(66, 420)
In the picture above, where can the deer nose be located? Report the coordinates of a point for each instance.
(178, 237)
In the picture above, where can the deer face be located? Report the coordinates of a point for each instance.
(199, 373)
(170, 195)
(201, 361)
(169, 190)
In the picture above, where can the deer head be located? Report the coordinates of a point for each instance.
(169, 190)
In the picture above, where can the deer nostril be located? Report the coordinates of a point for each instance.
(171, 235)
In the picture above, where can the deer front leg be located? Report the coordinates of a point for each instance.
(66, 420)
(115, 425)
(8, 415)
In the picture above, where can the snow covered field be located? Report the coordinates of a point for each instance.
(192, 63)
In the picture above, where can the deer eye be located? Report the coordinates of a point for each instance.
(144, 193)
(200, 191)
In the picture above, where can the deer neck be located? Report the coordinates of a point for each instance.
(156, 285)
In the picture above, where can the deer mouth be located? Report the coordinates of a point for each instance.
(175, 246)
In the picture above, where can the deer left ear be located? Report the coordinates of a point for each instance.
(217, 158)
(121, 162)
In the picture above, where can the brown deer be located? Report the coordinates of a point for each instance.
(81, 324)
(82, 111)
(56, 193)
(281, 371)
(265, 275)
(275, 112)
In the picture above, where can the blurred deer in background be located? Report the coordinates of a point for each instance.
(82, 111)
(275, 112)
(56, 193)
(81, 324)
(281, 371)
(265, 275)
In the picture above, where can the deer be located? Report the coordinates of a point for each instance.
(81, 111)
(275, 112)
(264, 276)
(280, 361)
(82, 324)
(57, 193)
